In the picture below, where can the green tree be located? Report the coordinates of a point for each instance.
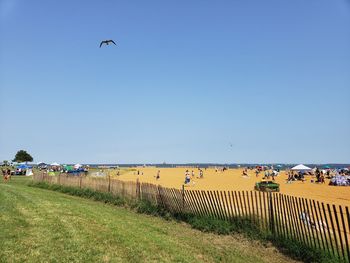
(6, 163)
(23, 156)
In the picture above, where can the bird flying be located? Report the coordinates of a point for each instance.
(107, 42)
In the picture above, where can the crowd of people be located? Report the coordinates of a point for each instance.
(190, 176)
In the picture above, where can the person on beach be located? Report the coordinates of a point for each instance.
(158, 175)
(256, 172)
(201, 174)
(322, 181)
(187, 178)
(267, 174)
(273, 174)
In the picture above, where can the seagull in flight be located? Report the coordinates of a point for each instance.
(107, 42)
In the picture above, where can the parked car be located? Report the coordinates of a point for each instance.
(267, 186)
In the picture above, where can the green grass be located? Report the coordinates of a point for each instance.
(243, 225)
(39, 225)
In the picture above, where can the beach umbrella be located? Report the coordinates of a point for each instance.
(301, 167)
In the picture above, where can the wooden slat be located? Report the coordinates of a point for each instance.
(292, 203)
(282, 220)
(178, 197)
(230, 200)
(219, 204)
(266, 213)
(316, 233)
(262, 212)
(312, 220)
(236, 202)
(336, 249)
(325, 228)
(258, 218)
(210, 205)
(339, 233)
(244, 204)
(224, 205)
(188, 206)
(172, 199)
(240, 203)
(195, 203)
(287, 217)
(164, 197)
(213, 201)
(200, 203)
(347, 215)
(249, 210)
(300, 210)
(204, 203)
(277, 214)
(330, 240)
(319, 226)
(346, 234)
(306, 225)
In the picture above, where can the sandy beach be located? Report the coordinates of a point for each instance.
(232, 179)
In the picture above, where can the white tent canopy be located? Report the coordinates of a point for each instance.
(77, 166)
(55, 164)
(301, 167)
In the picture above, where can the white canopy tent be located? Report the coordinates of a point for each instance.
(77, 166)
(55, 164)
(301, 167)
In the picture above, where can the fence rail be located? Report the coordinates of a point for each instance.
(310, 222)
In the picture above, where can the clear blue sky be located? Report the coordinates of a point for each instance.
(186, 80)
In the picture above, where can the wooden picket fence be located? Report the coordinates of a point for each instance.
(310, 222)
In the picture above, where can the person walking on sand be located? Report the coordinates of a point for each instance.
(201, 173)
(187, 178)
(273, 174)
(158, 175)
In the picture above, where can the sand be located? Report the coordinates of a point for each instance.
(232, 179)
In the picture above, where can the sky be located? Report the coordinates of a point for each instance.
(188, 81)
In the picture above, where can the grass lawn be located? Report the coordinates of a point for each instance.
(38, 225)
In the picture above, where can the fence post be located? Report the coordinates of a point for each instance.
(80, 179)
(183, 197)
(59, 179)
(109, 182)
(159, 199)
(272, 223)
(138, 192)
